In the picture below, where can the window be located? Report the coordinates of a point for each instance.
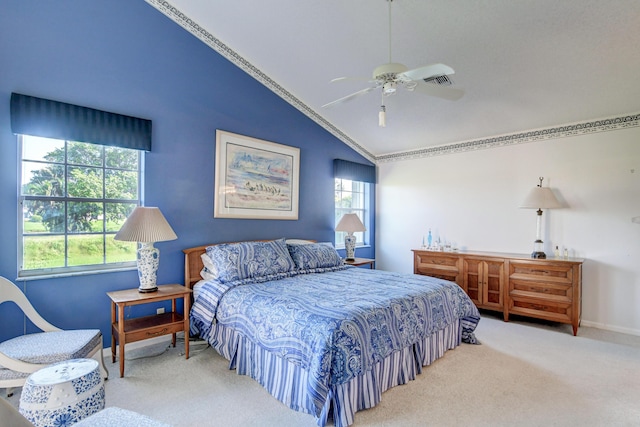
(351, 197)
(73, 198)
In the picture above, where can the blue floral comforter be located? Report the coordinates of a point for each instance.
(337, 324)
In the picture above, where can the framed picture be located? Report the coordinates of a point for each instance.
(255, 179)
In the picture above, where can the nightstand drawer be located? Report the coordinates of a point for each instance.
(142, 328)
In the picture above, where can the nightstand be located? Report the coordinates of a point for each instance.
(357, 262)
(141, 328)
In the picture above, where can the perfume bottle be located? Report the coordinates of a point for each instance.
(429, 238)
(556, 253)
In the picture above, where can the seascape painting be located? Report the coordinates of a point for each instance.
(255, 178)
(260, 179)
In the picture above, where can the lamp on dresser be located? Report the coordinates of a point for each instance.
(540, 198)
(350, 223)
(146, 225)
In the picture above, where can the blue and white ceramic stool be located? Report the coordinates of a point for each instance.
(63, 393)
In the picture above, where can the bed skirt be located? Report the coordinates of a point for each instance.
(288, 382)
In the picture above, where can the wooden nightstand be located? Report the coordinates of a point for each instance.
(357, 262)
(141, 328)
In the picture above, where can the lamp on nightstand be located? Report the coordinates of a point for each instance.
(350, 223)
(146, 225)
(540, 198)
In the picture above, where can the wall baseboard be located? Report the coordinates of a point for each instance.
(106, 352)
(604, 326)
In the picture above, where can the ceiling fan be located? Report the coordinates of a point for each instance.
(430, 79)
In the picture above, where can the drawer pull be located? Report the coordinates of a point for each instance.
(541, 272)
(155, 334)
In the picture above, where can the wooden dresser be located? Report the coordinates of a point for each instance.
(547, 289)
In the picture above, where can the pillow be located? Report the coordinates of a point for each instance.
(208, 272)
(248, 260)
(299, 242)
(314, 256)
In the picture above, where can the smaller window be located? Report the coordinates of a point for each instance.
(351, 197)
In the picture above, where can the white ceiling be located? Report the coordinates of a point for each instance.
(524, 65)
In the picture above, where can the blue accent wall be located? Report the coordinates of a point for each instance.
(126, 57)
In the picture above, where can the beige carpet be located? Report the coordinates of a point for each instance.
(525, 373)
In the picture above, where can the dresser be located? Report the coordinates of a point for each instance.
(548, 289)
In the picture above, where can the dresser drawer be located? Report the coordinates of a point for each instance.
(548, 291)
(442, 266)
(443, 261)
(549, 272)
(541, 309)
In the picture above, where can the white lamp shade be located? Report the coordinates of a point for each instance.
(541, 198)
(146, 224)
(350, 223)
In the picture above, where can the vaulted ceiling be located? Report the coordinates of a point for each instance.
(523, 65)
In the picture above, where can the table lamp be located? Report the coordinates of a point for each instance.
(146, 225)
(350, 223)
(540, 198)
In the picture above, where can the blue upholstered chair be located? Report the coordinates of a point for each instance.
(25, 354)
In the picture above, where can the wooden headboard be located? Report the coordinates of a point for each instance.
(193, 261)
(193, 264)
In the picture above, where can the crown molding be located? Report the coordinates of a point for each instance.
(563, 131)
(188, 24)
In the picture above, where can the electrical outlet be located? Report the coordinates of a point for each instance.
(160, 310)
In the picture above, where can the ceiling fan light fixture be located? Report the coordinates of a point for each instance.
(389, 88)
(382, 116)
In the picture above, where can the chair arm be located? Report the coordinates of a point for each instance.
(19, 365)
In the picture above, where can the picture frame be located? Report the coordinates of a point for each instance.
(255, 179)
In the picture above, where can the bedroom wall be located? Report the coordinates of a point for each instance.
(472, 198)
(125, 56)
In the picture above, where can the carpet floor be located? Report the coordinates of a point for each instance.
(525, 373)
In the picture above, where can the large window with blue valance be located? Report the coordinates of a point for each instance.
(80, 177)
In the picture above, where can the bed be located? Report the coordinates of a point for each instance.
(323, 338)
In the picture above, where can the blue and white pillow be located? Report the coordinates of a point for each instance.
(315, 257)
(232, 262)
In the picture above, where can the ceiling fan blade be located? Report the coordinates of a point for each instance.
(349, 97)
(427, 71)
(351, 79)
(444, 92)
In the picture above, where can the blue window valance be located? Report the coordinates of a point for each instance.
(59, 120)
(345, 169)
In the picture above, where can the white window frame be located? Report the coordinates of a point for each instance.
(362, 237)
(67, 270)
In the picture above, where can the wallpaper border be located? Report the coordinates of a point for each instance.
(561, 131)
